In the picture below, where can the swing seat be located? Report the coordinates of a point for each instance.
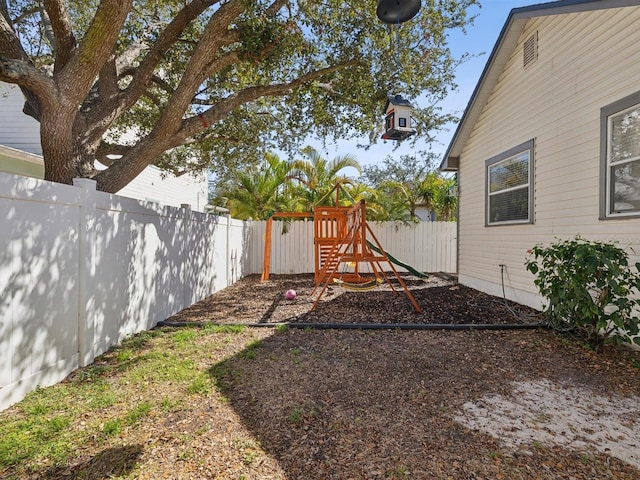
(360, 287)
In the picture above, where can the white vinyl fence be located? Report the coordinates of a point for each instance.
(426, 246)
(80, 270)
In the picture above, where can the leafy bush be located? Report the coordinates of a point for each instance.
(590, 288)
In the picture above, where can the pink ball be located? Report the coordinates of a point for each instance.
(290, 295)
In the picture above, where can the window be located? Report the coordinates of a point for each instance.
(389, 121)
(620, 162)
(509, 186)
(402, 122)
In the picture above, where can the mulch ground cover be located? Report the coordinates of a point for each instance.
(441, 299)
(306, 404)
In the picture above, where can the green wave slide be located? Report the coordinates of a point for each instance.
(394, 260)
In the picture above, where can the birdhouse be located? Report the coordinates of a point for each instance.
(397, 123)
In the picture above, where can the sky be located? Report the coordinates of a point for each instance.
(479, 41)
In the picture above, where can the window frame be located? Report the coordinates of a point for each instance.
(506, 155)
(606, 182)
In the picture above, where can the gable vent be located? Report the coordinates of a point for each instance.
(530, 50)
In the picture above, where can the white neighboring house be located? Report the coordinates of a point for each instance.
(21, 154)
(549, 144)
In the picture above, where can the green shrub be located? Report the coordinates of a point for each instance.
(590, 289)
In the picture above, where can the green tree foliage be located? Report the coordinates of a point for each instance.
(259, 191)
(590, 289)
(280, 186)
(317, 176)
(405, 185)
(213, 84)
(445, 198)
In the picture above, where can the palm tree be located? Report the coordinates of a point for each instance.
(260, 191)
(318, 176)
(447, 199)
(428, 190)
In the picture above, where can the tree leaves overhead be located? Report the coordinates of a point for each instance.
(194, 85)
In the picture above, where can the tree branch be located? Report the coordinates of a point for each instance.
(85, 62)
(113, 149)
(166, 39)
(199, 66)
(192, 125)
(65, 41)
(10, 45)
(27, 76)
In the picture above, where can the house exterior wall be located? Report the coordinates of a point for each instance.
(155, 186)
(17, 130)
(22, 133)
(585, 61)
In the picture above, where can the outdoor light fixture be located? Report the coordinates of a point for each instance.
(397, 11)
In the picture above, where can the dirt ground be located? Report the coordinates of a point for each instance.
(377, 403)
(422, 404)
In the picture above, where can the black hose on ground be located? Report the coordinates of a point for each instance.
(365, 326)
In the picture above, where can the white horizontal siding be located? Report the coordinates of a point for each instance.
(586, 61)
(157, 186)
(17, 130)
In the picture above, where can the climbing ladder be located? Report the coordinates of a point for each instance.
(340, 237)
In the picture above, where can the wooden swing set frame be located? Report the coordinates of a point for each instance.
(341, 241)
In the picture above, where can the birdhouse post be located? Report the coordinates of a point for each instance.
(397, 124)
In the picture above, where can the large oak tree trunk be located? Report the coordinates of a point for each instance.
(64, 156)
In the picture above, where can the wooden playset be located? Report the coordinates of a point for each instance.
(343, 241)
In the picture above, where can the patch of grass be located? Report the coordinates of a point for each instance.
(249, 457)
(210, 328)
(635, 363)
(149, 372)
(295, 416)
(124, 355)
(139, 412)
(248, 448)
(397, 472)
(140, 340)
(300, 414)
(169, 404)
(112, 427)
(282, 327)
(182, 337)
(91, 373)
(101, 399)
(250, 350)
(200, 385)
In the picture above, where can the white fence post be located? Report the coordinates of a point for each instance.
(187, 267)
(86, 271)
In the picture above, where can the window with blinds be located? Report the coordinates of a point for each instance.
(510, 186)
